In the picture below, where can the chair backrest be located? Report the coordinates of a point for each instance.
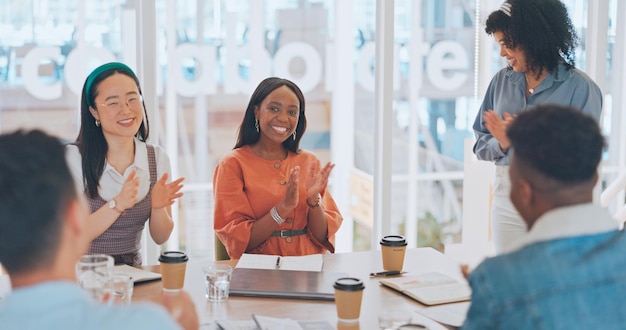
(220, 250)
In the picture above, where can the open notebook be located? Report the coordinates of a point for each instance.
(430, 288)
(311, 262)
(138, 275)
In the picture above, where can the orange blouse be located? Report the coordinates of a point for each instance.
(246, 187)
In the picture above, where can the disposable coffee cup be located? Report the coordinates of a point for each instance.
(348, 296)
(393, 249)
(173, 265)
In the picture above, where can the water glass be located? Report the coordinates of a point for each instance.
(217, 281)
(393, 319)
(122, 288)
(94, 274)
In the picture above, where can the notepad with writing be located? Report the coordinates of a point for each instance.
(430, 288)
(312, 262)
(276, 283)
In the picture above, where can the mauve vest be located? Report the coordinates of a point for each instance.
(124, 235)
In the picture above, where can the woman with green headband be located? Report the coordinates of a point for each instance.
(124, 179)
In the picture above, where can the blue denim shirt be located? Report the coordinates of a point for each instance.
(568, 283)
(507, 93)
(64, 305)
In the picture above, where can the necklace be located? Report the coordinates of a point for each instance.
(531, 90)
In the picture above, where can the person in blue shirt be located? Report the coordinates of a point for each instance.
(42, 236)
(569, 271)
(538, 40)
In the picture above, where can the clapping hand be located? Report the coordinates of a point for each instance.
(127, 197)
(497, 127)
(164, 194)
(318, 179)
(316, 182)
(291, 194)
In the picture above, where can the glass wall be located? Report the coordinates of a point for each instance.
(211, 54)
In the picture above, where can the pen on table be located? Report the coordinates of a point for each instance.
(278, 262)
(387, 273)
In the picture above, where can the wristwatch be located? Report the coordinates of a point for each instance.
(113, 206)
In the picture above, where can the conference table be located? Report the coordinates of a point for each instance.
(376, 298)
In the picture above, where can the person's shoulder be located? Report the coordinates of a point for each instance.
(579, 77)
(71, 148)
(72, 154)
(307, 154)
(157, 315)
(503, 75)
(505, 72)
(143, 146)
(577, 73)
(498, 266)
(137, 316)
(236, 157)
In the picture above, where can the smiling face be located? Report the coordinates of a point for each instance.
(278, 115)
(118, 106)
(514, 56)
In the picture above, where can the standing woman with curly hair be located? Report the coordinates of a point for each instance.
(538, 40)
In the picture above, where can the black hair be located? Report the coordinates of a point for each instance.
(541, 28)
(91, 142)
(248, 134)
(560, 142)
(37, 188)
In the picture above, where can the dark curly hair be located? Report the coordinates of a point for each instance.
(560, 142)
(541, 28)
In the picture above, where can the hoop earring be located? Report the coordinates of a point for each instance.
(294, 135)
(256, 124)
(97, 123)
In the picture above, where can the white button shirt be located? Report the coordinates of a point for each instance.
(112, 181)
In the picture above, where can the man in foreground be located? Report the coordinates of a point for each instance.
(42, 224)
(569, 271)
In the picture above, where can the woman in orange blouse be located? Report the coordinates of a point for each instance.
(271, 196)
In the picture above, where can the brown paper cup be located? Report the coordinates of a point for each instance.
(393, 249)
(348, 297)
(173, 266)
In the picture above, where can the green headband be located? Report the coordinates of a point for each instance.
(98, 71)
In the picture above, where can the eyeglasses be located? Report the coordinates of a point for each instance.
(133, 102)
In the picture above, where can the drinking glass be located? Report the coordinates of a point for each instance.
(122, 288)
(217, 281)
(94, 275)
(393, 319)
